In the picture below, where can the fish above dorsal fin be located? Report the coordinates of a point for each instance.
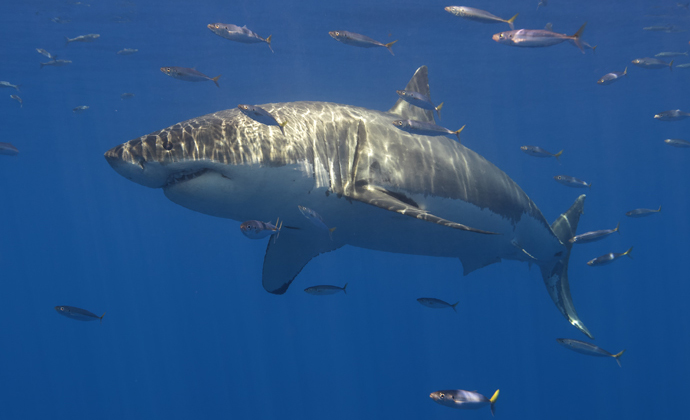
(387, 200)
(405, 110)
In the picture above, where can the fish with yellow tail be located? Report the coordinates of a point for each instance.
(260, 115)
(188, 75)
(359, 40)
(464, 400)
(536, 38)
(608, 258)
(316, 219)
(537, 151)
(588, 349)
(425, 129)
(478, 15)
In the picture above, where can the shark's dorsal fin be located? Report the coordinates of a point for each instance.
(404, 110)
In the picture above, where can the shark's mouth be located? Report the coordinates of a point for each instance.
(179, 177)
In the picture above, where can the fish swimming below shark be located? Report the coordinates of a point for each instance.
(384, 188)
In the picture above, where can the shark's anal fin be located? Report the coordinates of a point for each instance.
(390, 201)
(287, 257)
(556, 277)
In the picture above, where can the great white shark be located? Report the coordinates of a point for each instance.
(382, 188)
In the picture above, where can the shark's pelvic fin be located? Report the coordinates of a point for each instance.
(556, 276)
(418, 83)
(285, 258)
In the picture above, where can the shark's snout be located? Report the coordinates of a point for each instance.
(136, 168)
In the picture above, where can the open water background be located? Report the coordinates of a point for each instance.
(189, 331)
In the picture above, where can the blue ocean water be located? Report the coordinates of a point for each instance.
(190, 333)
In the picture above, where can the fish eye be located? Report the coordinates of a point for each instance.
(217, 26)
(62, 308)
(500, 35)
(441, 396)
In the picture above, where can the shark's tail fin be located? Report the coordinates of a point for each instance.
(556, 276)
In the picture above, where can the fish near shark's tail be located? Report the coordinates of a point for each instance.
(389, 45)
(556, 275)
(576, 38)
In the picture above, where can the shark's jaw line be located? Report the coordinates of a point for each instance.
(381, 187)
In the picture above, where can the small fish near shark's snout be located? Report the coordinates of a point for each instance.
(432, 195)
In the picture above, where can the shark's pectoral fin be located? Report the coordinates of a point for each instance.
(286, 257)
(391, 201)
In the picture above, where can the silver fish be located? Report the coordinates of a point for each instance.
(534, 38)
(316, 219)
(358, 40)
(671, 54)
(325, 289)
(642, 212)
(466, 400)
(18, 99)
(261, 115)
(237, 33)
(126, 95)
(542, 3)
(652, 63)
(256, 229)
(608, 258)
(82, 38)
(420, 100)
(80, 109)
(672, 115)
(9, 85)
(127, 51)
(588, 349)
(572, 181)
(594, 236)
(677, 143)
(437, 303)
(425, 129)
(478, 15)
(539, 152)
(658, 28)
(189, 75)
(7, 149)
(56, 63)
(78, 313)
(683, 66)
(58, 19)
(609, 78)
(45, 53)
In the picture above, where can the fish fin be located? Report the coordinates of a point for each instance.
(389, 45)
(101, 318)
(576, 38)
(41, 65)
(215, 80)
(438, 110)
(268, 41)
(282, 263)
(406, 111)
(659, 209)
(492, 400)
(345, 287)
(455, 305)
(558, 155)
(387, 200)
(670, 65)
(457, 132)
(617, 227)
(278, 227)
(330, 232)
(628, 252)
(556, 276)
(511, 20)
(617, 357)
(67, 41)
(625, 72)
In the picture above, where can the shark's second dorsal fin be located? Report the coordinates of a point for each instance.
(418, 83)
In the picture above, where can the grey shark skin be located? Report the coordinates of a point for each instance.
(383, 188)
